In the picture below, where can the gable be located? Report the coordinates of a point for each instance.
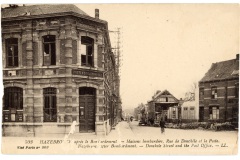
(165, 96)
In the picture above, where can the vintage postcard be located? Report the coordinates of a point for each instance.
(159, 79)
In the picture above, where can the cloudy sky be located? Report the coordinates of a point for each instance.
(169, 46)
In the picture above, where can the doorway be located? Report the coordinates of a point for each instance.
(201, 114)
(87, 101)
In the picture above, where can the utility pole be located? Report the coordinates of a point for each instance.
(117, 55)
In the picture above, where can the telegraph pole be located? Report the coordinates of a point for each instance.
(117, 55)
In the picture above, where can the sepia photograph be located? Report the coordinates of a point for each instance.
(120, 79)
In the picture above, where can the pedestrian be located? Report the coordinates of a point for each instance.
(162, 125)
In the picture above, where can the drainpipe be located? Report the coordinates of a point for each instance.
(33, 83)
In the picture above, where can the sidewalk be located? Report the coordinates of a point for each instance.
(121, 131)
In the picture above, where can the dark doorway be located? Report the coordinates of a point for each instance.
(87, 98)
(201, 114)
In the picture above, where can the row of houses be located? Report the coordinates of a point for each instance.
(58, 67)
(216, 99)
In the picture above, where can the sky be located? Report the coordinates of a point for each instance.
(168, 46)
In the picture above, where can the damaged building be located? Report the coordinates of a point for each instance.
(58, 68)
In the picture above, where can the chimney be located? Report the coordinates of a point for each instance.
(237, 57)
(97, 13)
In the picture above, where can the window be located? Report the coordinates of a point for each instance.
(237, 90)
(49, 50)
(201, 93)
(170, 100)
(12, 52)
(86, 50)
(185, 113)
(162, 99)
(213, 112)
(191, 113)
(214, 93)
(50, 105)
(13, 104)
(174, 114)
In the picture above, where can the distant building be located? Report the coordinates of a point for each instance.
(219, 92)
(190, 108)
(58, 67)
(163, 105)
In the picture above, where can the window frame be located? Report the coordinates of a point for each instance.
(237, 90)
(214, 93)
(13, 104)
(201, 93)
(89, 55)
(214, 113)
(185, 113)
(192, 112)
(51, 55)
(50, 104)
(14, 56)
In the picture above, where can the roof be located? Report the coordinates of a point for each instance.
(165, 92)
(18, 11)
(222, 70)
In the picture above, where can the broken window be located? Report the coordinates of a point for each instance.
(13, 104)
(50, 105)
(213, 112)
(12, 52)
(86, 50)
(49, 50)
(214, 93)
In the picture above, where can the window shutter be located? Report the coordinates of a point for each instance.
(100, 56)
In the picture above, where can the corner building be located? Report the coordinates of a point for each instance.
(57, 68)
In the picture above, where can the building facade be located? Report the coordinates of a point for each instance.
(163, 105)
(58, 68)
(219, 92)
(189, 111)
(190, 108)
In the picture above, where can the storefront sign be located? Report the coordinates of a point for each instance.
(87, 73)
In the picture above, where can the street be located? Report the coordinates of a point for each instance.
(134, 137)
(154, 132)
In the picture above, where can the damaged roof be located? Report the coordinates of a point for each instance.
(42, 9)
(222, 70)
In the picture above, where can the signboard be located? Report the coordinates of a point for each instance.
(89, 73)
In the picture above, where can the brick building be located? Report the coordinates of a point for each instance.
(58, 67)
(219, 92)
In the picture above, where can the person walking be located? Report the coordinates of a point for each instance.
(162, 125)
